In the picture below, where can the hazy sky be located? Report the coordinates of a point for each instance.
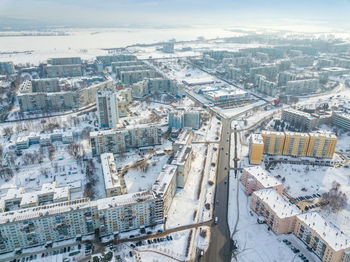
(174, 12)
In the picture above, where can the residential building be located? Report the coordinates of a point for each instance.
(18, 198)
(341, 120)
(107, 108)
(256, 178)
(300, 119)
(64, 61)
(114, 183)
(322, 145)
(270, 72)
(295, 144)
(131, 77)
(285, 77)
(183, 160)
(64, 70)
(279, 212)
(120, 140)
(59, 101)
(184, 139)
(273, 142)
(45, 85)
(256, 149)
(108, 60)
(302, 87)
(184, 119)
(165, 186)
(40, 225)
(168, 47)
(326, 240)
(7, 68)
(267, 87)
(24, 142)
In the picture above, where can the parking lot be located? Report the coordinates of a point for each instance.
(299, 248)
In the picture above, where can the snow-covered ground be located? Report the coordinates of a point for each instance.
(138, 180)
(254, 241)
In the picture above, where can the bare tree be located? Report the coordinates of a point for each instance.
(335, 197)
(8, 131)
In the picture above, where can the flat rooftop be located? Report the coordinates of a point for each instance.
(335, 238)
(262, 176)
(277, 203)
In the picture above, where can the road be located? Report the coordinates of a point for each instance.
(219, 248)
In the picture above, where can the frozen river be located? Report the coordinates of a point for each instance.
(87, 43)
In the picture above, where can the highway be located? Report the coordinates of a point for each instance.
(219, 249)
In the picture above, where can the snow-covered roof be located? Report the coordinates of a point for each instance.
(323, 134)
(300, 113)
(164, 179)
(35, 212)
(277, 203)
(184, 137)
(182, 155)
(262, 176)
(331, 234)
(257, 139)
(267, 132)
(288, 133)
(109, 170)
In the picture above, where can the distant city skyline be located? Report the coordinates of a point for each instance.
(172, 13)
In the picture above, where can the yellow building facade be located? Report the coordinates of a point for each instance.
(273, 142)
(296, 144)
(322, 145)
(256, 149)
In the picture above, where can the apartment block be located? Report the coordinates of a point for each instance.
(302, 87)
(256, 149)
(184, 119)
(165, 186)
(326, 240)
(108, 60)
(341, 120)
(114, 183)
(267, 87)
(184, 139)
(24, 142)
(270, 72)
(273, 142)
(183, 160)
(131, 77)
(295, 144)
(18, 198)
(107, 108)
(108, 141)
(64, 61)
(40, 225)
(278, 212)
(65, 70)
(284, 77)
(256, 178)
(45, 85)
(120, 140)
(299, 118)
(59, 101)
(7, 68)
(322, 145)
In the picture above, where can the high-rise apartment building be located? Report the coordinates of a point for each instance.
(322, 145)
(295, 144)
(273, 142)
(107, 108)
(256, 149)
